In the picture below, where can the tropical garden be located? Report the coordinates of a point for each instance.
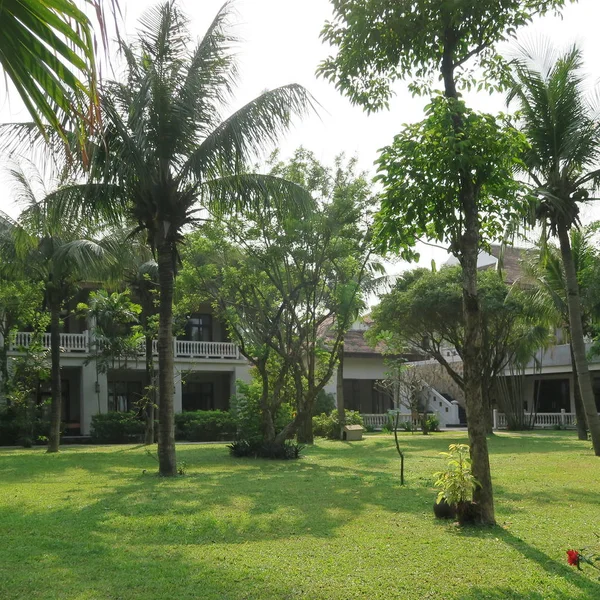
(147, 194)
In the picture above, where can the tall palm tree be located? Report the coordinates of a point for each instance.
(546, 290)
(562, 162)
(166, 153)
(47, 51)
(56, 247)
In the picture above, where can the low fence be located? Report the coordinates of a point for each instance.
(541, 420)
(377, 422)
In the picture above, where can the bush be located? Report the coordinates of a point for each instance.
(117, 428)
(259, 449)
(324, 404)
(205, 426)
(430, 423)
(245, 410)
(329, 425)
(21, 426)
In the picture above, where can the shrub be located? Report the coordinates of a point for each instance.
(431, 423)
(205, 426)
(22, 425)
(329, 426)
(324, 404)
(258, 449)
(245, 408)
(117, 428)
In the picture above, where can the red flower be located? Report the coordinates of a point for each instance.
(573, 557)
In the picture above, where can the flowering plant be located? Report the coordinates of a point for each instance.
(584, 556)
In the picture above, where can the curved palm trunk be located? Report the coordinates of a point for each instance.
(579, 411)
(56, 391)
(166, 380)
(578, 344)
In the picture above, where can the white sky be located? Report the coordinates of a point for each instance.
(280, 44)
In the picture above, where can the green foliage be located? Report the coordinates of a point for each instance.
(329, 425)
(424, 312)
(116, 428)
(429, 423)
(205, 426)
(260, 449)
(324, 403)
(115, 334)
(379, 41)
(23, 424)
(423, 177)
(245, 410)
(456, 482)
(290, 280)
(47, 49)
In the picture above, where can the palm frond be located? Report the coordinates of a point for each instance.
(244, 134)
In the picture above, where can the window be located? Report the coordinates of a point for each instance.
(199, 328)
(124, 395)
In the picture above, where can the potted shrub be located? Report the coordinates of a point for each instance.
(456, 485)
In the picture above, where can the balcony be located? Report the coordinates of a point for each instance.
(69, 342)
(79, 343)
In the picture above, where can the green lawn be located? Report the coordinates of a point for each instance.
(89, 523)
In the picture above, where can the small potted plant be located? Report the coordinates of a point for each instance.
(456, 484)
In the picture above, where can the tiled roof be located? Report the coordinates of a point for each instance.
(510, 261)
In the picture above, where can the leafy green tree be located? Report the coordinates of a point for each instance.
(423, 313)
(20, 305)
(168, 153)
(470, 156)
(290, 283)
(563, 132)
(59, 250)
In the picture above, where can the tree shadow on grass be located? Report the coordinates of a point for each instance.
(551, 566)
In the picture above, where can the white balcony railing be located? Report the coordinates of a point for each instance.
(562, 419)
(80, 343)
(69, 342)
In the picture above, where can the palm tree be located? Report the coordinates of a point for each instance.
(47, 51)
(166, 154)
(50, 245)
(546, 290)
(564, 137)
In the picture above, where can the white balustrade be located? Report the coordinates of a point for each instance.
(80, 342)
(563, 419)
(69, 342)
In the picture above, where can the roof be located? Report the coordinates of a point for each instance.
(510, 263)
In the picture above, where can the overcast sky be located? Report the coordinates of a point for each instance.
(280, 44)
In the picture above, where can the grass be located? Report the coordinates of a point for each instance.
(89, 523)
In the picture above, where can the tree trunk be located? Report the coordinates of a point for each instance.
(55, 384)
(166, 380)
(577, 342)
(266, 416)
(305, 430)
(579, 410)
(339, 392)
(472, 359)
(150, 393)
(473, 367)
